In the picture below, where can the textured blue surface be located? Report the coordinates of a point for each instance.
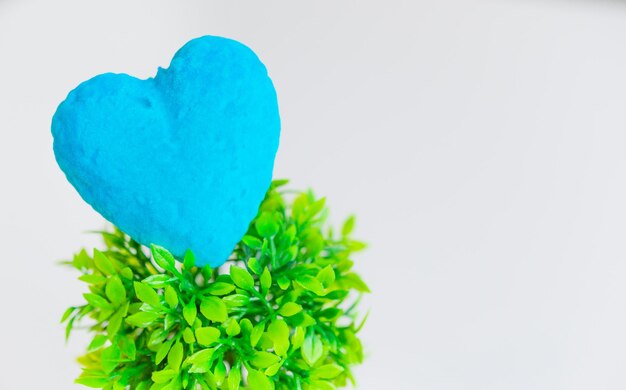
(181, 160)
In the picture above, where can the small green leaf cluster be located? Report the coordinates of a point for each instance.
(280, 314)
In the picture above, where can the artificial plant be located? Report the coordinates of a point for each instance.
(279, 314)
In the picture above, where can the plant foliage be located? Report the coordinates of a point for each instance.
(280, 314)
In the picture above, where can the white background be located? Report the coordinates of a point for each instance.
(481, 143)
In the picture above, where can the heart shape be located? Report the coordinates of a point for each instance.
(181, 160)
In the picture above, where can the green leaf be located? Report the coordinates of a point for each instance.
(352, 280)
(147, 295)
(145, 385)
(207, 335)
(299, 204)
(169, 321)
(256, 334)
(326, 276)
(234, 378)
(220, 288)
(158, 281)
(246, 326)
(94, 279)
(236, 300)
(343, 266)
(297, 339)
(127, 347)
(112, 240)
(115, 290)
(348, 226)
(290, 234)
(171, 297)
(127, 273)
(310, 283)
(267, 225)
(284, 282)
(263, 359)
(278, 183)
(190, 311)
(330, 314)
(97, 301)
(314, 242)
(213, 309)
(67, 314)
(103, 263)
(258, 381)
(157, 337)
(278, 331)
(273, 369)
(163, 351)
(312, 349)
(220, 371)
(232, 327)
(93, 380)
(303, 319)
(338, 295)
(289, 309)
(315, 208)
(175, 357)
(110, 358)
(189, 260)
(254, 265)
(175, 383)
(356, 246)
(321, 385)
(252, 242)
(163, 258)
(360, 326)
(188, 336)
(266, 280)
(82, 261)
(327, 371)
(163, 376)
(103, 314)
(242, 278)
(142, 319)
(199, 361)
(97, 343)
(115, 323)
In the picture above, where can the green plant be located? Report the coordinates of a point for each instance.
(280, 314)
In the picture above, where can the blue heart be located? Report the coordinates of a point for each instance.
(181, 160)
